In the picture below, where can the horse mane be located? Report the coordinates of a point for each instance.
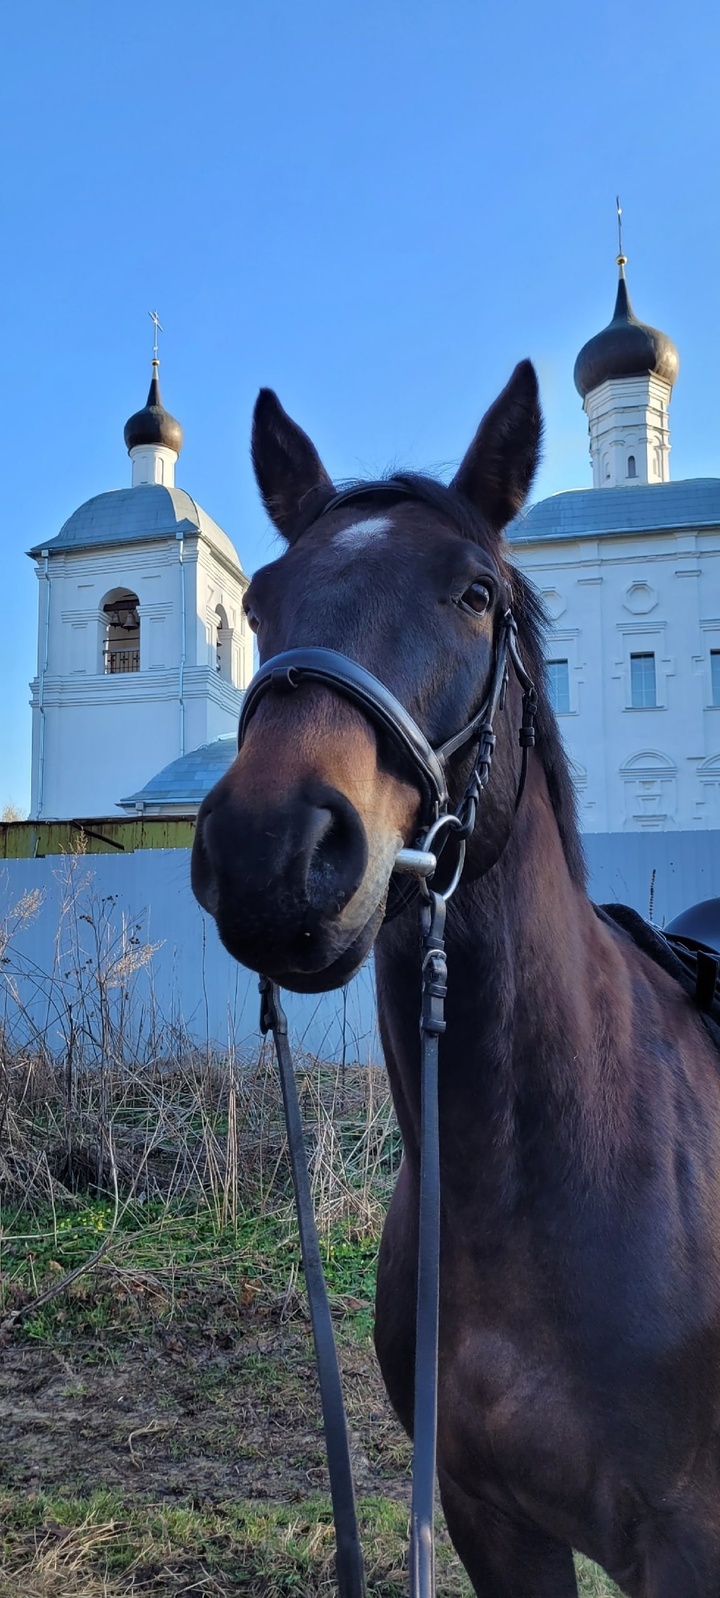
(532, 625)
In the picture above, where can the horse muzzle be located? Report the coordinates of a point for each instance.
(291, 887)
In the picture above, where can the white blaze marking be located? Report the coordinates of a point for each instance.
(358, 534)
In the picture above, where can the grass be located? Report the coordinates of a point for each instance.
(107, 1545)
(156, 1253)
(63, 1547)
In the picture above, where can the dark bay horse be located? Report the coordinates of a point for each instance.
(579, 1397)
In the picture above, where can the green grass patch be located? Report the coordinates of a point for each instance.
(159, 1253)
(108, 1543)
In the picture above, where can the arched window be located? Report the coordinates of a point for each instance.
(223, 646)
(121, 632)
(632, 469)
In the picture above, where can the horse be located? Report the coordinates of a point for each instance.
(579, 1097)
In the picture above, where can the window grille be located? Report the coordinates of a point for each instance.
(121, 660)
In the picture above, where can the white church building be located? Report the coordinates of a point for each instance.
(144, 650)
(630, 574)
(143, 646)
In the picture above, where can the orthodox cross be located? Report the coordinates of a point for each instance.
(158, 328)
(621, 258)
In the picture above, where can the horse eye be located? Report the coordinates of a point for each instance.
(252, 619)
(477, 598)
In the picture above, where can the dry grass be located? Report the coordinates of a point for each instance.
(129, 1100)
(189, 1125)
(66, 1563)
(265, 1551)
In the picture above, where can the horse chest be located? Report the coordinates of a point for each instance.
(510, 1404)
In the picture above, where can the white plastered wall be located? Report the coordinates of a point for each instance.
(611, 596)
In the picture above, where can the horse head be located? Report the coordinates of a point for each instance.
(295, 846)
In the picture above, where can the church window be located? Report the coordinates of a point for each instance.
(558, 677)
(632, 468)
(223, 645)
(643, 692)
(121, 629)
(715, 675)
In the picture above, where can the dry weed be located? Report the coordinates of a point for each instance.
(129, 1099)
(64, 1564)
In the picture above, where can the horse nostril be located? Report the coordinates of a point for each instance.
(337, 854)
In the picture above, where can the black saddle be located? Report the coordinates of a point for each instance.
(688, 949)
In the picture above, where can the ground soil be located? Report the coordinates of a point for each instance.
(213, 1406)
(225, 1410)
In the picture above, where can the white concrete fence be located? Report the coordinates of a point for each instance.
(129, 927)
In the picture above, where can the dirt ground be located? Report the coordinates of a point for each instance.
(208, 1414)
(218, 1407)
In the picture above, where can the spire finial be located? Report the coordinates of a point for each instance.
(157, 328)
(621, 258)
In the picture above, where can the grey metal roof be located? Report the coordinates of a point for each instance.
(133, 515)
(589, 512)
(188, 779)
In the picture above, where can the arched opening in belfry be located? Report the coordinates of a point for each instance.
(223, 645)
(632, 468)
(121, 632)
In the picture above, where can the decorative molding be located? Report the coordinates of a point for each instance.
(651, 629)
(649, 762)
(554, 603)
(640, 598)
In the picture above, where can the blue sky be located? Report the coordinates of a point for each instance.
(374, 209)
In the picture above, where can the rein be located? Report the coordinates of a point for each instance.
(285, 673)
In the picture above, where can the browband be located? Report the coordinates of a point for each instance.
(390, 486)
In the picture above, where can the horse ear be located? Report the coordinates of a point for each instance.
(497, 470)
(287, 464)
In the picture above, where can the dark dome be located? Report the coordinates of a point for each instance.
(153, 424)
(625, 348)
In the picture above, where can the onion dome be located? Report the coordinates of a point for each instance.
(625, 348)
(153, 424)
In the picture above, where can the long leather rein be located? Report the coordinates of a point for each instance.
(285, 673)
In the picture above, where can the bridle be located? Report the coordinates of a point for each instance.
(439, 821)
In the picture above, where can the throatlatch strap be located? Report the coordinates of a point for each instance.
(350, 1571)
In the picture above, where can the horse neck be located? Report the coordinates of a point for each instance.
(522, 989)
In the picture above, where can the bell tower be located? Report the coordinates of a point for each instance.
(143, 646)
(625, 376)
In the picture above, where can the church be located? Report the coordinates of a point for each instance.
(144, 650)
(143, 646)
